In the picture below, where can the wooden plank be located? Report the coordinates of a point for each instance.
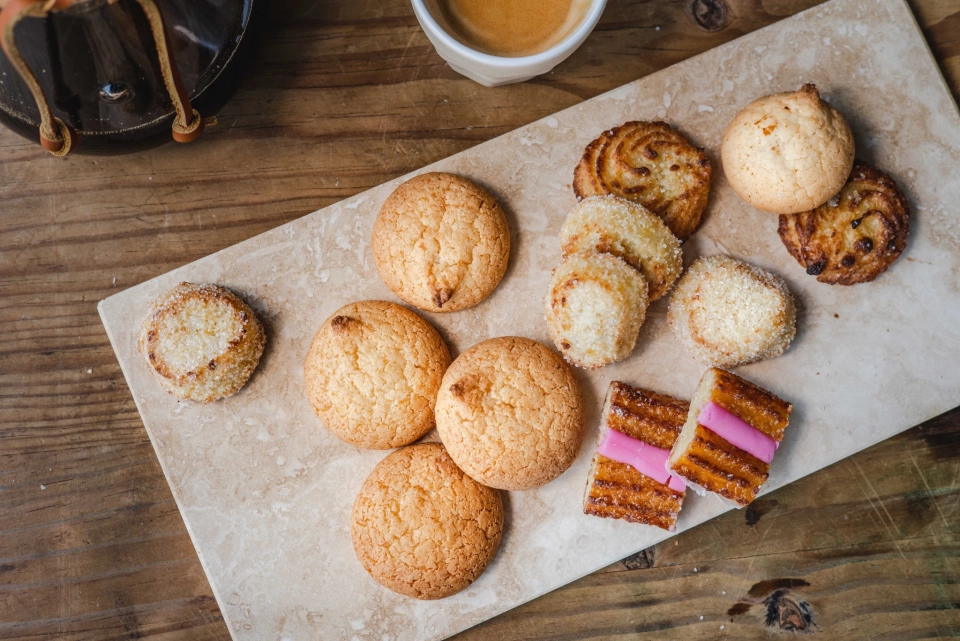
(345, 96)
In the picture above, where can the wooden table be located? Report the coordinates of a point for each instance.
(346, 95)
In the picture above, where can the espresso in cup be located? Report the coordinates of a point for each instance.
(509, 28)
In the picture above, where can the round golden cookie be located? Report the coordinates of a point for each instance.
(201, 342)
(788, 152)
(441, 243)
(423, 528)
(853, 237)
(594, 308)
(372, 374)
(613, 225)
(649, 163)
(727, 312)
(510, 413)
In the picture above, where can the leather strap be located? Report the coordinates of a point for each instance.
(55, 135)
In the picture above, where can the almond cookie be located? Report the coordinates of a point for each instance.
(853, 237)
(727, 312)
(613, 225)
(423, 528)
(201, 342)
(510, 413)
(650, 163)
(594, 308)
(441, 243)
(372, 374)
(788, 152)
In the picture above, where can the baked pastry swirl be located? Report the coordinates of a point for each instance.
(652, 164)
(853, 237)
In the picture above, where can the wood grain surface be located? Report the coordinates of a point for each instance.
(346, 95)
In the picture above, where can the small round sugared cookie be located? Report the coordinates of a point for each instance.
(727, 312)
(650, 163)
(423, 528)
(613, 225)
(788, 152)
(441, 242)
(510, 413)
(853, 237)
(594, 308)
(372, 374)
(201, 342)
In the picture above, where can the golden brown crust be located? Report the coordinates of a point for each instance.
(652, 164)
(855, 236)
(510, 413)
(709, 462)
(372, 374)
(719, 467)
(423, 528)
(616, 490)
(201, 342)
(441, 242)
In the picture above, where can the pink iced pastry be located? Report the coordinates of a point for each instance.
(643, 457)
(737, 432)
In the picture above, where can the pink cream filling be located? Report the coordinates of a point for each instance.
(737, 432)
(642, 457)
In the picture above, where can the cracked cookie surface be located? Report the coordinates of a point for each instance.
(423, 528)
(372, 374)
(510, 413)
(441, 242)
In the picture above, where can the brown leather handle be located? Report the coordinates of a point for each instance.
(55, 135)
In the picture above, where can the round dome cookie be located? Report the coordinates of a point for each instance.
(788, 152)
(650, 163)
(423, 528)
(853, 237)
(613, 225)
(510, 413)
(372, 374)
(201, 342)
(727, 312)
(594, 308)
(441, 242)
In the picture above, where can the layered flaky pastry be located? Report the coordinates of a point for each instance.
(620, 491)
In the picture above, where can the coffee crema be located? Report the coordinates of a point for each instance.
(509, 28)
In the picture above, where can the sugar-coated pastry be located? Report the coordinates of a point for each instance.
(613, 225)
(594, 308)
(628, 479)
(788, 152)
(853, 237)
(510, 413)
(372, 374)
(201, 342)
(732, 431)
(441, 242)
(423, 528)
(727, 312)
(650, 163)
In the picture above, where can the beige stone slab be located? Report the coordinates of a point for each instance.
(266, 492)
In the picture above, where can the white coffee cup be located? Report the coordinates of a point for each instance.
(494, 71)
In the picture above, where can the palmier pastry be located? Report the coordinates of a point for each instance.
(732, 432)
(652, 164)
(854, 236)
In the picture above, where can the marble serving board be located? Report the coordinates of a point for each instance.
(266, 492)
